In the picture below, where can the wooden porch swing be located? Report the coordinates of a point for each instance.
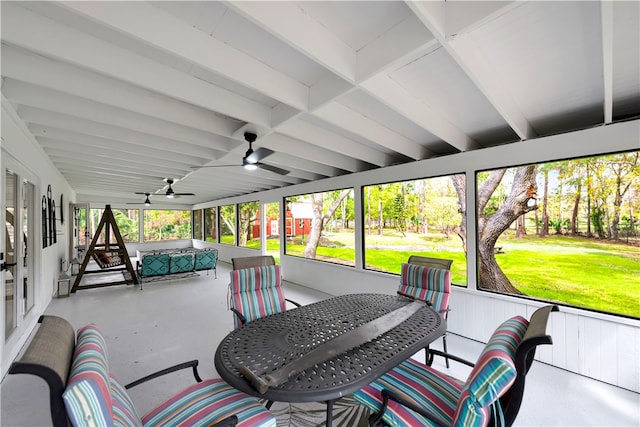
(106, 255)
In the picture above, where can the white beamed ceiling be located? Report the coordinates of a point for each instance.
(122, 95)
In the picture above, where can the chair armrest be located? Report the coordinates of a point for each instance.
(388, 394)
(242, 319)
(431, 353)
(190, 364)
(293, 302)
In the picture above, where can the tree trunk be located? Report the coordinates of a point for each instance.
(521, 231)
(459, 183)
(576, 210)
(544, 231)
(319, 220)
(380, 220)
(491, 227)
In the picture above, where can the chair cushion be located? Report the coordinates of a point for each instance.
(88, 396)
(418, 383)
(206, 403)
(492, 375)
(124, 412)
(256, 292)
(427, 284)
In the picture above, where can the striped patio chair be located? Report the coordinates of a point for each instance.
(429, 284)
(84, 392)
(415, 394)
(256, 292)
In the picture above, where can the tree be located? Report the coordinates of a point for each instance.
(625, 170)
(400, 214)
(491, 226)
(460, 183)
(247, 215)
(320, 219)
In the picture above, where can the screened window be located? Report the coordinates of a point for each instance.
(211, 224)
(197, 224)
(249, 225)
(420, 217)
(320, 226)
(127, 220)
(228, 224)
(166, 224)
(273, 228)
(563, 231)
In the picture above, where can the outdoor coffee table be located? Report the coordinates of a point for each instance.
(267, 350)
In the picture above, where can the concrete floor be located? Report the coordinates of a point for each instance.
(173, 321)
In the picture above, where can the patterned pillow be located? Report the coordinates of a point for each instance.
(492, 375)
(88, 395)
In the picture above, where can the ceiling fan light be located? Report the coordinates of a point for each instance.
(169, 195)
(147, 202)
(250, 166)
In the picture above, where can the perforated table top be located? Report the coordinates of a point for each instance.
(268, 344)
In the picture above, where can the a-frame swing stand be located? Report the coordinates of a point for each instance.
(106, 255)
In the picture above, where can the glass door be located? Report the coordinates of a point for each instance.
(10, 255)
(18, 261)
(28, 228)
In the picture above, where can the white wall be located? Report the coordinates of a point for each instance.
(596, 345)
(24, 155)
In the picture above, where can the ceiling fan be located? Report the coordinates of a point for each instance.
(146, 202)
(169, 192)
(252, 159)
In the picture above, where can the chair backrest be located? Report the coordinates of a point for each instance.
(427, 284)
(431, 262)
(256, 292)
(82, 390)
(252, 261)
(536, 335)
(500, 372)
(49, 357)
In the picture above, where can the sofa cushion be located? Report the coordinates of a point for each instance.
(88, 393)
(206, 259)
(155, 264)
(179, 263)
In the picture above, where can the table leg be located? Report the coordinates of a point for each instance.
(330, 412)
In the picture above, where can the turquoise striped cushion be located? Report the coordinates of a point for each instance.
(124, 412)
(206, 403)
(427, 284)
(256, 292)
(418, 383)
(87, 396)
(493, 374)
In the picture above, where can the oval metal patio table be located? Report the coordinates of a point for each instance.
(271, 343)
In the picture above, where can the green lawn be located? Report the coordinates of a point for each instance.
(576, 271)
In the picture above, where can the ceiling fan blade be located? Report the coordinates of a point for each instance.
(213, 166)
(274, 169)
(183, 194)
(258, 155)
